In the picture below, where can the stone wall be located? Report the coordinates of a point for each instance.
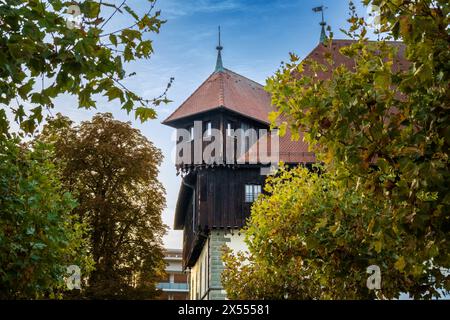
(217, 240)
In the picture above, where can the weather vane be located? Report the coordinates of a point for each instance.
(219, 47)
(321, 9)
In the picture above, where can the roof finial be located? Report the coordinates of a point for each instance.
(323, 35)
(219, 64)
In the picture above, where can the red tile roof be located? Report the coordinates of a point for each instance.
(226, 89)
(295, 151)
(289, 151)
(319, 52)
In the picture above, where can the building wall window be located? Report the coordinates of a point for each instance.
(252, 192)
(191, 130)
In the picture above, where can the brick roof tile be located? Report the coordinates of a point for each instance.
(229, 90)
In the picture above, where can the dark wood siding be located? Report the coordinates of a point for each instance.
(219, 191)
(220, 199)
(188, 234)
(224, 205)
(219, 120)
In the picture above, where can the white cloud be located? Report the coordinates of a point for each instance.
(174, 9)
(177, 8)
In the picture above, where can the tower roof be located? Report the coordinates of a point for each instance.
(228, 90)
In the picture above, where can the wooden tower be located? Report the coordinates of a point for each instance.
(216, 195)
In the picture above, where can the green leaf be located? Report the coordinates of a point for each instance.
(19, 113)
(26, 88)
(39, 245)
(131, 12)
(145, 48)
(30, 230)
(382, 80)
(115, 93)
(144, 113)
(128, 106)
(113, 39)
(90, 9)
(128, 53)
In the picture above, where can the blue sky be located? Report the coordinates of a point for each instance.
(256, 35)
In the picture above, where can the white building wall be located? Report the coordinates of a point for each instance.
(199, 275)
(236, 242)
(205, 274)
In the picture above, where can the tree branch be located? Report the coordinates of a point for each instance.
(133, 25)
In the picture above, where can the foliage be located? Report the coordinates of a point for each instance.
(382, 134)
(39, 234)
(111, 169)
(49, 48)
(312, 237)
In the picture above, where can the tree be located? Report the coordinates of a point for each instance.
(111, 169)
(48, 48)
(382, 134)
(313, 237)
(39, 235)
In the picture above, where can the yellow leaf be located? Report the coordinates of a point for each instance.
(273, 116)
(395, 228)
(400, 264)
(322, 223)
(378, 245)
(282, 129)
(335, 228)
(370, 226)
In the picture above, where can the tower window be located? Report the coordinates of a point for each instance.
(252, 192)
